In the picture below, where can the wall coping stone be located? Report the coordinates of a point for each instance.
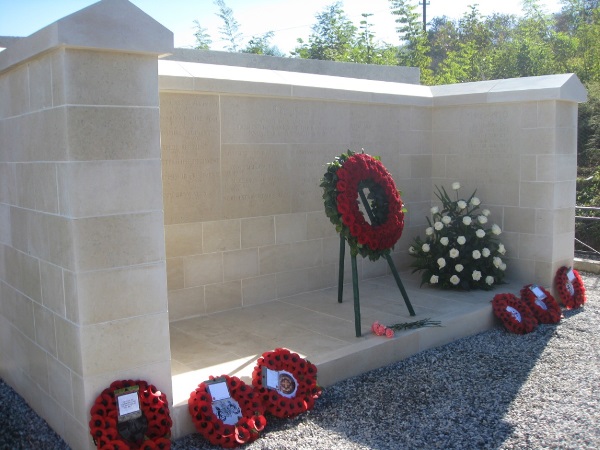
(113, 25)
(398, 74)
(200, 77)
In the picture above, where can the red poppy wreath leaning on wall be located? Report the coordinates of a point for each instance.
(348, 175)
(541, 303)
(287, 383)
(151, 430)
(514, 314)
(226, 411)
(570, 287)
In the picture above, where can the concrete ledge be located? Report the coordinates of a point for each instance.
(587, 265)
(548, 87)
(396, 74)
(187, 76)
(181, 76)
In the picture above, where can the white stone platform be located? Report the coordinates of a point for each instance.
(319, 328)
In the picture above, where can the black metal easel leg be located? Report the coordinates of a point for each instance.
(400, 285)
(341, 269)
(357, 326)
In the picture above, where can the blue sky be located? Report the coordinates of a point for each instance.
(289, 19)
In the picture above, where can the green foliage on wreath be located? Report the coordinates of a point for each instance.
(459, 251)
(376, 198)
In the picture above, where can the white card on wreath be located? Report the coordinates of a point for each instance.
(219, 391)
(537, 292)
(128, 403)
(570, 275)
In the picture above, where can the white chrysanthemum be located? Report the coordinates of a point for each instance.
(467, 220)
(486, 212)
(459, 268)
(434, 279)
(480, 233)
(482, 219)
(503, 267)
(429, 231)
(461, 240)
(438, 226)
(485, 252)
(475, 201)
(476, 275)
(446, 220)
(454, 280)
(425, 248)
(496, 229)
(441, 262)
(444, 241)
(411, 250)
(456, 186)
(454, 253)
(497, 261)
(489, 280)
(476, 254)
(501, 249)
(461, 204)
(435, 210)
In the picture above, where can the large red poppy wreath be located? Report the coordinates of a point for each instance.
(346, 176)
(299, 393)
(210, 424)
(541, 303)
(104, 426)
(514, 313)
(570, 287)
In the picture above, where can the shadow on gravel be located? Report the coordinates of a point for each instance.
(455, 396)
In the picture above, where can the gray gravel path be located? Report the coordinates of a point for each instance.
(494, 390)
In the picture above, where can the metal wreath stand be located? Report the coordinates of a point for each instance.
(388, 257)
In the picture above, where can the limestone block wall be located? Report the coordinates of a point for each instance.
(515, 141)
(244, 222)
(244, 150)
(82, 263)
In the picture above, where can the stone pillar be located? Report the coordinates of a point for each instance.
(84, 298)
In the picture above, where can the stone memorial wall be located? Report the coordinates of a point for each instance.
(134, 193)
(248, 226)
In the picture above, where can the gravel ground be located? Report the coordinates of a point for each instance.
(494, 390)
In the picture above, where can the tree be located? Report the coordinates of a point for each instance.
(230, 28)
(332, 37)
(260, 45)
(588, 145)
(443, 38)
(416, 49)
(580, 21)
(203, 40)
(367, 50)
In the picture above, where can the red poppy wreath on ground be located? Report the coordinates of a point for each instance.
(154, 431)
(287, 383)
(348, 175)
(541, 302)
(514, 314)
(225, 422)
(570, 287)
